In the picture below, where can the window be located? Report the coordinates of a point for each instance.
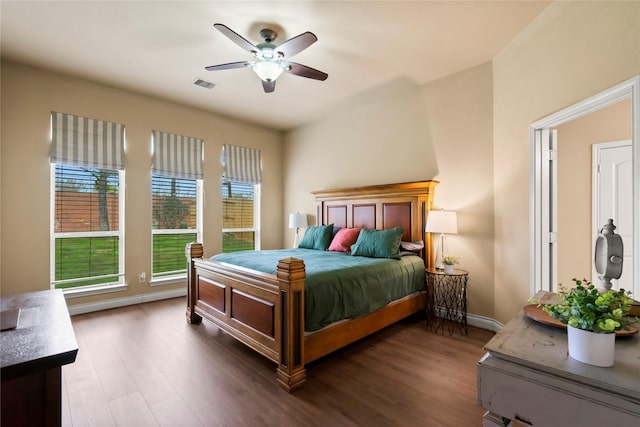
(241, 198)
(86, 237)
(176, 202)
(174, 207)
(240, 214)
(87, 203)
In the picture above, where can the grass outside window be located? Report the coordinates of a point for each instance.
(94, 256)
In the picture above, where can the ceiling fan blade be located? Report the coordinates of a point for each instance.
(308, 72)
(269, 86)
(236, 38)
(228, 66)
(296, 44)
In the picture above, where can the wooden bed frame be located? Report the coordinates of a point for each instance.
(266, 312)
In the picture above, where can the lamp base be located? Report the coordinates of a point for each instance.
(295, 239)
(440, 254)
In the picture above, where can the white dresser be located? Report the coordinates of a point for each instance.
(527, 375)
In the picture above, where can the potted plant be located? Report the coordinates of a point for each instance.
(449, 262)
(592, 318)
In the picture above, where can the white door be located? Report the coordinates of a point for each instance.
(613, 198)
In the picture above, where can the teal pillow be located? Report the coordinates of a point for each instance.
(317, 237)
(378, 243)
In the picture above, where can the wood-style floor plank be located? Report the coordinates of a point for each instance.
(145, 365)
(132, 410)
(89, 407)
(173, 411)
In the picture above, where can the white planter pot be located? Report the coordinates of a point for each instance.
(590, 347)
(448, 268)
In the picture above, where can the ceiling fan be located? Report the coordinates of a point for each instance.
(270, 59)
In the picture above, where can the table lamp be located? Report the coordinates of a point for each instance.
(443, 222)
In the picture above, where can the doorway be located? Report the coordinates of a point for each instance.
(544, 198)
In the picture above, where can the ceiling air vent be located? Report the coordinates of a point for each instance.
(205, 84)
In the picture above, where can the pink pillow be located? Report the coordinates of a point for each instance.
(344, 238)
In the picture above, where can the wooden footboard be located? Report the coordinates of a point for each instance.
(264, 311)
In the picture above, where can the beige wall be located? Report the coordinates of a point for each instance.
(471, 131)
(404, 132)
(571, 51)
(28, 97)
(575, 140)
(468, 130)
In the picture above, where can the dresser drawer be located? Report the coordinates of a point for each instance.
(540, 399)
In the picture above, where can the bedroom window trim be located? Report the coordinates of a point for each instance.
(167, 278)
(85, 290)
(256, 230)
(176, 157)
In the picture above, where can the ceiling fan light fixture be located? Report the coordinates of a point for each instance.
(267, 70)
(270, 60)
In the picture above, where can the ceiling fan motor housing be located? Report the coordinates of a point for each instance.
(268, 35)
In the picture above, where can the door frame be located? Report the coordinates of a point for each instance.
(539, 271)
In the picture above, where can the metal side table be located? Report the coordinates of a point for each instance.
(447, 300)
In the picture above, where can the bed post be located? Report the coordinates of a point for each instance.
(193, 250)
(291, 373)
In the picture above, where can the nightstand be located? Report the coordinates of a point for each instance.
(447, 300)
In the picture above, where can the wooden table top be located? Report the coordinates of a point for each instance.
(537, 346)
(44, 337)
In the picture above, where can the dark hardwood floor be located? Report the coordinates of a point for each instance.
(144, 365)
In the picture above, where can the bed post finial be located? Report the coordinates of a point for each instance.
(192, 250)
(291, 373)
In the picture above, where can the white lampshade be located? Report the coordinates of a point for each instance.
(442, 222)
(297, 220)
(267, 70)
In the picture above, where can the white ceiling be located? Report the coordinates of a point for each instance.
(160, 48)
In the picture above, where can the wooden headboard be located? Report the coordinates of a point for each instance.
(403, 205)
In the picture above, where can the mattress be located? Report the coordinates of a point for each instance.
(339, 286)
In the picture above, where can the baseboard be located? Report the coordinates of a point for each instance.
(484, 322)
(122, 302)
(472, 319)
(475, 320)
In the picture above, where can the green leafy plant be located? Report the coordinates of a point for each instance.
(450, 260)
(585, 307)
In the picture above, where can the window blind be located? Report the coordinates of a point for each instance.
(86, 142)
(242, 164)
(238, 221)
(86, 224)
(174, 209)
(177, 156)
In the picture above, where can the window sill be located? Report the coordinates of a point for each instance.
(94, 290)
(170, 280)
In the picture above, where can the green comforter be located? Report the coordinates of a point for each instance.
(340, 286)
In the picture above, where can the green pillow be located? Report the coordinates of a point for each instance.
(378, 243)
(317, 237)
